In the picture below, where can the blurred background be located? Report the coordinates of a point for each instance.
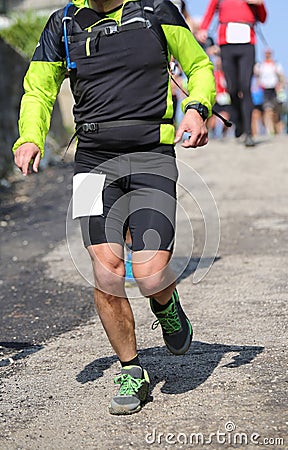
(21, 22)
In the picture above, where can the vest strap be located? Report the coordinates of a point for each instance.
(109, 30)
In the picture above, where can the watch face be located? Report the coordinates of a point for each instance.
(201, 109)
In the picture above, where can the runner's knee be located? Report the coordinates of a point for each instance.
(149, 281)
(108, 267)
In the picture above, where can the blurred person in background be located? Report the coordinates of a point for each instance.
(174, 66)
(223, 101)
(236, 38)
(257, 94)
(208, 44)
(272, 79)
(177, 84)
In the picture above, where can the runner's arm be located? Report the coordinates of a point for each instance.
(42, 82)
(259, 9)
(208, 15)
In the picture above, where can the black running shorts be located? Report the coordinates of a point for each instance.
(139, 192)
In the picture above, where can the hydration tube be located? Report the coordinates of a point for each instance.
(70, 64)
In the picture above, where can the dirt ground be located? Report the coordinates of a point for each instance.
(228, 391)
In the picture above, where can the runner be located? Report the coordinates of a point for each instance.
(236, 38)
(272, 80)
(117, 57)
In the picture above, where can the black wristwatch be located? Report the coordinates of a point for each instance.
(201, 109)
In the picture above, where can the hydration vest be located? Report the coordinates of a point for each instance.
(86, 25)
(107, 62)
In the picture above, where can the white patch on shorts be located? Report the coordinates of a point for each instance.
(87, 194)
(238, 33)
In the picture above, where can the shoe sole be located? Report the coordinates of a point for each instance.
(123, 412)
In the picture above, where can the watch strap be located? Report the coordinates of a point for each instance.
(200, 108)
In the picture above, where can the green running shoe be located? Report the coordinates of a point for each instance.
(134, 387)
(176, 328)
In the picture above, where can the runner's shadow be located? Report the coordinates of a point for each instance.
(185, 373)
(96, 369)
(183, 267)
(179, 373)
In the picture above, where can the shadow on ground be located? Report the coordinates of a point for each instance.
(184, 268)
(182, 373)
(23, 349)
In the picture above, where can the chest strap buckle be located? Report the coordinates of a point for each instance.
(111, 29)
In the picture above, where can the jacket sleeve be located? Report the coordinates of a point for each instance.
(42, 83)
(192, 58)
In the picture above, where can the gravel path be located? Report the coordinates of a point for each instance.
(228, 391)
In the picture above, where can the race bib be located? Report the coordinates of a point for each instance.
(87, 194)
(238, 33)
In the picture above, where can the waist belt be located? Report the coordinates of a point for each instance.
(95, 127)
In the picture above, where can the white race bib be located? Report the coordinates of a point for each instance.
(238, 33)
(87, 194)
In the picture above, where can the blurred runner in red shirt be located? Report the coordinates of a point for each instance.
(236, 38)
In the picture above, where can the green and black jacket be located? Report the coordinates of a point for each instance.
(119, 76)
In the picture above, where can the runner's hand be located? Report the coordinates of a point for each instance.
(25, 154)
(193, 124)
(201, 36)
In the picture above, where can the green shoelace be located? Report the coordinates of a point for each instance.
(169, 322)
(128, 384)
